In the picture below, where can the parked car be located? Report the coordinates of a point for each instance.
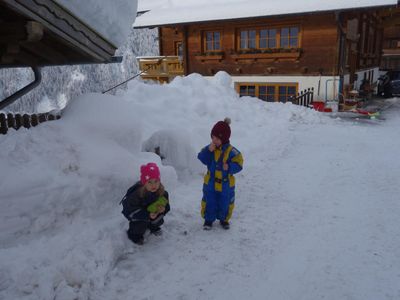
(389, 84)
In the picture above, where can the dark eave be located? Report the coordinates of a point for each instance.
(40, 33)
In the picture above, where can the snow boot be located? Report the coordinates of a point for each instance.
(207, 225)
(224, 224)
(156, 231)
(137, 239)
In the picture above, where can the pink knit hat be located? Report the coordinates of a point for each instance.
(149, 171)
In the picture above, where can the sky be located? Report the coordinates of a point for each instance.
(316, 213)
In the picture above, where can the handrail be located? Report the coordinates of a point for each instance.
(129, 79)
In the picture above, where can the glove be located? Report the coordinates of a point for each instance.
(158, 206)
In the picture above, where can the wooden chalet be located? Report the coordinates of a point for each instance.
(273, 53)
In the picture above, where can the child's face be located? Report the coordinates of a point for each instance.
(152, 185)
(216, 141)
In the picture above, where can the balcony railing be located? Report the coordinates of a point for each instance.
(161, 68)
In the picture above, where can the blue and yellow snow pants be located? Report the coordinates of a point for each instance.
(217, 205)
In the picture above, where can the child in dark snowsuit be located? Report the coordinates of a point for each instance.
(222, 161)
(145, 204)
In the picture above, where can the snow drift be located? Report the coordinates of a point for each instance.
(62, 234)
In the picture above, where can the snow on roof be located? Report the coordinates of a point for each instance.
(111, 19)
(188, 11)
(145, 5)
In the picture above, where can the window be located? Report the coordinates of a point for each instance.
(248, 39)
(268, 38)
(212, 41)
(178, 49)
(285, 91)
(363, 36)
(289, 37)
(247, 90)
(266, 93)
(271, 92)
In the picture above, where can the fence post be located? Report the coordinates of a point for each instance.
(18, 121)
(50, 117)
(302, 99)
(42, 118)
(3, 124)
(34, 120)
(26, 121)
(10, 120)
(312, 95)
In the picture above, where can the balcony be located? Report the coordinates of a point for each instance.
(160, 68)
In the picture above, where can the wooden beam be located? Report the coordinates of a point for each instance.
(11, 32)
(389, 12)
(393, 21)
(13, 48)
(45, 52)
(22, 58)
(34, 30)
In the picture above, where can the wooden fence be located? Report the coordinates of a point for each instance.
(304, 98)
(17, 121)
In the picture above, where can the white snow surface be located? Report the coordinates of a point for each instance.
(145, 5)
(186, 11)
(112, 19)
(317, 203)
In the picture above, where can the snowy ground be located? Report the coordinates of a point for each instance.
(316, 208)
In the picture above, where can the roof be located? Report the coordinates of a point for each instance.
(146, 5)
(40, 33)
(111, 19)
(191, 11)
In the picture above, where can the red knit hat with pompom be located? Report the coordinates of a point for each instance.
(222, 130)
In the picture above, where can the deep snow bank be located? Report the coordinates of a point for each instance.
(60, 183)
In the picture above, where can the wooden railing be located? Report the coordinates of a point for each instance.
(163, 68)
(304, 98)
(27, 121)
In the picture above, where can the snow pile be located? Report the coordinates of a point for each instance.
(62, 235)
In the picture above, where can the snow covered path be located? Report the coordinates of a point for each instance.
(307, 226)
(341, 211)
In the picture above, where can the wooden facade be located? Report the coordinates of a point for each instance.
(391, 40)
(232, 59)
(317, 51)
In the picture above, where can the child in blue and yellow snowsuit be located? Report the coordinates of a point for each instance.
(222, 161)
